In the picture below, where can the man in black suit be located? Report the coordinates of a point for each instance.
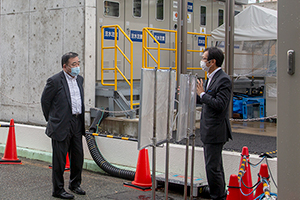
(63, 109)
(215, 129)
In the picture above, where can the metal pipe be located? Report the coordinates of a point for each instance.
(168, 139)
(192, 165)
(229, 44)
(154, 137)
(184, 38)
(179, 22)
(186, 166)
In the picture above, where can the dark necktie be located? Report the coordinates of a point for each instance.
(206, 84)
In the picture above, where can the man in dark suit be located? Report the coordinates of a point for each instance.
(63, 108)
(215, 127)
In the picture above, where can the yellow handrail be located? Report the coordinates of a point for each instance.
(145, 52)
(115, 68)
(158, 48)
(192, 50)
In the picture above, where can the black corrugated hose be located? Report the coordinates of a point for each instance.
(96, 154)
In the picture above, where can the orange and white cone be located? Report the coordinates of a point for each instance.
(10, 153)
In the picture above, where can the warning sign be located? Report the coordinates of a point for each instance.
(189, 18)
(175, 16)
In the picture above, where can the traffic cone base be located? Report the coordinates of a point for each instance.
(14, 162)
(142, 179)
(10, 153)
(141, 188)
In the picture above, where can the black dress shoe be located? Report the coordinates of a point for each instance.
(77, 190)
(64, 195)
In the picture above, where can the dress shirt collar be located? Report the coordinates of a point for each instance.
(213, 73)
(69, 77)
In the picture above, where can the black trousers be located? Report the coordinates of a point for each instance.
(214, 170)
(73, 145)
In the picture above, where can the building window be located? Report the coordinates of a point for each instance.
(221, 16)
(203, 15)
(137, 8)
(111, 9)
(160, 9)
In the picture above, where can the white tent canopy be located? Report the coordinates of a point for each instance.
(252, 24)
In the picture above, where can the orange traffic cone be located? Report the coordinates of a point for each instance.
(233, 192)
(10, 153)
(263, 173)
(246, 179)
(142, 179)
(67, 166)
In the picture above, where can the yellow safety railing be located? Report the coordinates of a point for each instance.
(145, 51)
(115, 68)
(146, 48)
(158, 48)
(191, 50)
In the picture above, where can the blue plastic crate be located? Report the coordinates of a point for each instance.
(253, 108)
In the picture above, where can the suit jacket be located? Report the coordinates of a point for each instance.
(214, 123)
(57, 107)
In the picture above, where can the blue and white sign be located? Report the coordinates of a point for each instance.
(189, 6)
(201, 41)
(136, 36)
(160, 37)
(109, 34)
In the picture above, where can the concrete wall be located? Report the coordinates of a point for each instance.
(34, 34)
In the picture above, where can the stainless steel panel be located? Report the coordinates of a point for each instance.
(147, 107)
(187, 106)
(288, 101)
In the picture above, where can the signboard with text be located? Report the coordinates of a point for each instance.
(136, 36)
(160, 37)
(109, 34)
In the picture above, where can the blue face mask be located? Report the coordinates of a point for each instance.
(75, 71)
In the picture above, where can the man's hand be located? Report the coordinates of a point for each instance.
(200, 88)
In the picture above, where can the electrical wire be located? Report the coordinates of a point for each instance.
(271, 173)
(255, 165)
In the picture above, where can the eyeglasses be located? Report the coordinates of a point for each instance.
(203, 58)
(74, 64)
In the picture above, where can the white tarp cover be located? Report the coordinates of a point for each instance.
(252, 24)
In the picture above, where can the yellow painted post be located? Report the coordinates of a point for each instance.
(102, 39)
(143, 49)
(131, 76)
(116, 57)
(176, 54)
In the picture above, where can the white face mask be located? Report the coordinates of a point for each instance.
(203, 66)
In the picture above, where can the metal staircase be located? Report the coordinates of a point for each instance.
(119, 100)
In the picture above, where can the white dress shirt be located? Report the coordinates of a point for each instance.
(74, 93)
(210, 76)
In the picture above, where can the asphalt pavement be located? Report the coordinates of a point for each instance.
(257, 144)
(32, 180)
